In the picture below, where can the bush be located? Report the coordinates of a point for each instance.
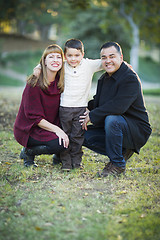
(22, 62)
(153, 92)
(149, 70)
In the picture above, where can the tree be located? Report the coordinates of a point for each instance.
(137, 14)
(30, 14)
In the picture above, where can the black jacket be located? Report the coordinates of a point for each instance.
(121, 94)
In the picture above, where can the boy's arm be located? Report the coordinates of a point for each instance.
(37, 70)
(95, 64)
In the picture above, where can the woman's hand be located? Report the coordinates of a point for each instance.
(85, 119)
(57, 130)
(62, 137)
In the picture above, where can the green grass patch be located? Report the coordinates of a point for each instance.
(45, 203)
(152, 92)
(22, 62)
(8, 81)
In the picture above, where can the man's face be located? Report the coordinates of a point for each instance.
(111, 59)
(73, 56)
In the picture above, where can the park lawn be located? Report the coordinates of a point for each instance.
(8, 81)
(45, 203)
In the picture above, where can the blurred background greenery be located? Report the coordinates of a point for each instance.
(28, 26)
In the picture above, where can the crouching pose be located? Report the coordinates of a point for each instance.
(37, 125)
(120, 124)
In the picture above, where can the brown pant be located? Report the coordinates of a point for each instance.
(69, 118)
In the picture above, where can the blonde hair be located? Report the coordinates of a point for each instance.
(42, 79)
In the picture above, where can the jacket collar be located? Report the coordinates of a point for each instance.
(119, 72)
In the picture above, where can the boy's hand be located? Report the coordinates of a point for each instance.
(130, 66)
(36, 71)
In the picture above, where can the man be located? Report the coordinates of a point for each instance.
(120, 124)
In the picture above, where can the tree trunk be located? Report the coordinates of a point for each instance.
(44, 32)
(134, 53)
(21, 26)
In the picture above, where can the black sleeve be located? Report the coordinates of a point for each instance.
(91, 105)
(126, 94)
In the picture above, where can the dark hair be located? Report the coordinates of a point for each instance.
(110, 44)
(74, 43)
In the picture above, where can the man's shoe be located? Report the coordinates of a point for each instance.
(128, 154)
(111, 169)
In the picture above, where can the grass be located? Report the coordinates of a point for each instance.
(21, 62)
(45, 203)
(153, 92)
(8, 81)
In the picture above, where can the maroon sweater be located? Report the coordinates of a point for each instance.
(37, 104)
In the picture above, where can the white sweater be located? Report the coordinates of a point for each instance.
(78, 82)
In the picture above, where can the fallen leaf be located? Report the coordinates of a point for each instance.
(143, 215)
(98, 211)
(38, 228)
(48, 224)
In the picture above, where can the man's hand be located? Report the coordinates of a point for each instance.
(85, 119)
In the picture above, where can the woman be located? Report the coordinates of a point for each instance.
(37, 126)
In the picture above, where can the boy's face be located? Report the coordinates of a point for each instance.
(73, 56)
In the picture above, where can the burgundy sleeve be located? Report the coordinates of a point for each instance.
(33, 108)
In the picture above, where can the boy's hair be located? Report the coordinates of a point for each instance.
(74, 43)
(114, 44)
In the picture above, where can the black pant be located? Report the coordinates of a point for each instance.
(53, 145)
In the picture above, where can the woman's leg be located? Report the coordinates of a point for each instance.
(35, 147)
(44, 147)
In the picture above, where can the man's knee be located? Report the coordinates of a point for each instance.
(112, 121)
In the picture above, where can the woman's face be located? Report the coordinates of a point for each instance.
(54, 62)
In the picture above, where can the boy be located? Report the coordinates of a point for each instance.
(78, 77)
